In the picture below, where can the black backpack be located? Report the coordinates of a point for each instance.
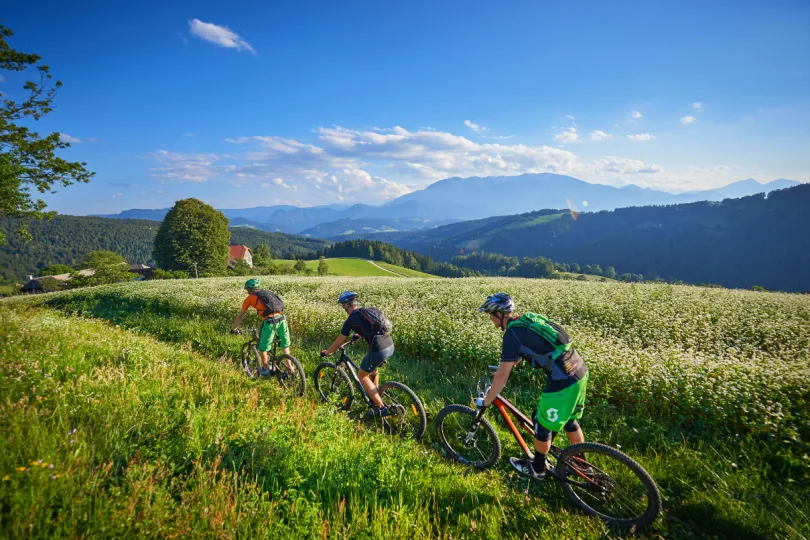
(377, 320)
(272, 302)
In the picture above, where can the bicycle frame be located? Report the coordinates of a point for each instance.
(505, 407)
(271, 354)
(346, 359)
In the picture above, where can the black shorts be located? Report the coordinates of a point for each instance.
(374, 359)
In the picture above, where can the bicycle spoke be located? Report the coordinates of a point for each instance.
(611, 488)
(471, 447)
(406, 419)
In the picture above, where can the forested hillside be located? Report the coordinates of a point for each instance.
(736, 243)
(66, 239)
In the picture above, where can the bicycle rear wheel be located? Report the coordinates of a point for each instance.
(292, 381)
(479, 447)
(408, 419)
(333, 385)
(607, 483)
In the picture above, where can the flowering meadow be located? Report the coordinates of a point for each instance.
(708, 388)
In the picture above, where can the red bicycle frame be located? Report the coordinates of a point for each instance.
(504, 407)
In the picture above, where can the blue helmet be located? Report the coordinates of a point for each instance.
(347, 296)
(498, 303)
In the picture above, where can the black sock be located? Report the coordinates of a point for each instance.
(539, 463)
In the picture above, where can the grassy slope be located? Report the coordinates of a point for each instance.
(404, 271)
(357, 268)
(719, 471)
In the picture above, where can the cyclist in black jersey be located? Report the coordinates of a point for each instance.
(545, 345)
(380, 349)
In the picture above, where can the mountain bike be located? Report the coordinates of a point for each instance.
(284, 368)
(600, 480)
(408, 418)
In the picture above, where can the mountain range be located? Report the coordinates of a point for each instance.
(459, 199)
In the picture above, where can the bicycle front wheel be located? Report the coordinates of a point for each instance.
(607, 483)
(477, 446)
(408, 418)
(333, 385)
(250, 359)
(290, 375)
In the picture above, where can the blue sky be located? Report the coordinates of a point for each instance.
(244, 104)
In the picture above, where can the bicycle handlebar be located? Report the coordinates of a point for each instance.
(350, 342)
(493, 369)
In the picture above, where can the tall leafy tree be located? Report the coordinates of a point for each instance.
(193, 233)
(261, 255)
(323, 266)
(27, 160)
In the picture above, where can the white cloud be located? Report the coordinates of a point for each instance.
(475, 127)
(697, 105)
(116, 195)
(91, 139)
(636, 115)
(187, 167)
(600, 135)
(624, 166)
(376, 165)
(688, 119)
(570, 117)
(569, 135)
(218, 35)
(64, 137)
(641, 137)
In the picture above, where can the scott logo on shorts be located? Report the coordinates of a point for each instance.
(552, 415)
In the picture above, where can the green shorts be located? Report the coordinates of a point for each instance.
(555, 409)
(269, 331)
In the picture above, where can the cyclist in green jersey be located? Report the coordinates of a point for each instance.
(545, 345)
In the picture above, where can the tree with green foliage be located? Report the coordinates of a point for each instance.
(262, 255)
(158, 273)
(101, 268)
(27, 160)
(240, 268)
(300, 266)
(55, 270)
(193, 233)
(98, 258)
(610, 272)
(323, 266)
(573, 268)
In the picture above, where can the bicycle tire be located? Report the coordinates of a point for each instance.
(332, 382)
(567, 464)
(297, 370)
(411, 421)
(449, 436)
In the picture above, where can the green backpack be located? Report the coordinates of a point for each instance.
(547, 329)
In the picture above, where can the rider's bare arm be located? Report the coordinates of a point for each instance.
(340, 340)
(238, 320)
(499, 381)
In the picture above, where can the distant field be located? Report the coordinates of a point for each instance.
(591, 277)
(358, 268)
(404, 271)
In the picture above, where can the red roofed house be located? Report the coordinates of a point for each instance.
(241, 253)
